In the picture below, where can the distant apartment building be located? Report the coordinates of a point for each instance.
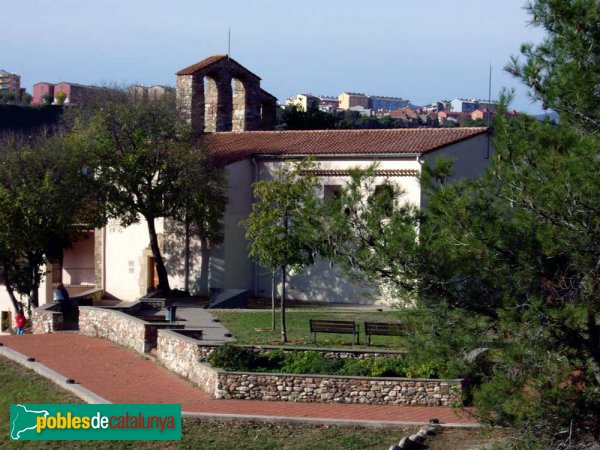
(361, 110)
(305, 101)
(40, 90)
(328, 103)
(349, 100)
(74, 93)
(462, 105)
(377, 103)
(10, 83)
(488, 105)
(469, 105)
(442, 105)
(150, 92)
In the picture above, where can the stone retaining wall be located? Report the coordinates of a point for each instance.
(47, 319)
(328, 389)
(121, 328)
(184, 356)
(115, 326)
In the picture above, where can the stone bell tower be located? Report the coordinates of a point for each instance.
(219, 94)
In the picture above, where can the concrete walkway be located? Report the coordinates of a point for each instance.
(120, 376)
(192, 316)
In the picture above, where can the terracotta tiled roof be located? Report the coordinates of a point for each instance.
(233, 146)
(190, 70)
(378, 172)
(201, 65)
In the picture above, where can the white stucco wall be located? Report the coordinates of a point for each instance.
(471, 158)
(322, 281)
(125, 255)
(230, 266)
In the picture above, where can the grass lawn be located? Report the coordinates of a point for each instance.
(254, 327)
(18, 384)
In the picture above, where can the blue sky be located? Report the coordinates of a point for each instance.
(420, 50)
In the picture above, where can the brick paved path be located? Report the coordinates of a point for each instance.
(121, 376)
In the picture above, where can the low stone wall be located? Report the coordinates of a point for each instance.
(185, 357)
(328, 389)
(182, 355)
(47, 319)
(122, 328)
(115, 326)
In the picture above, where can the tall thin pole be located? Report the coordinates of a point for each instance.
(489, 94)
(229, 43)
(489, 111)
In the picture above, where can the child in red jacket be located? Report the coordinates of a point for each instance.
(20, 321)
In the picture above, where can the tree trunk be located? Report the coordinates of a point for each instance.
(204, 267)
(283, 329)
(11, 293)
(594, 343)
(34, 292)
(163, 279)
(273, 289)
(186, 257)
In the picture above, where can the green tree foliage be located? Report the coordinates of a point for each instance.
(371, 232)
(293, 117)
(9, 99)
(46, 200)
(510, 262)
(512, 259)
(150, 169)
(563, 72)
(48, 98)
(283, 227)
(12, 99)
(17, 118)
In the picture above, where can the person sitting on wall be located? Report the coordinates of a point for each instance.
(62, 296)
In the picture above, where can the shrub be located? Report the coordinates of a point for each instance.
(233, 357)
(310, 363)
(375, 367)
(60, 98)
(270, 361)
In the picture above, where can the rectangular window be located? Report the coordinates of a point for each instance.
(331, 191)
(383, 199)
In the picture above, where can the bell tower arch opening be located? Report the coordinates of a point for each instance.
(211, 99)
(238, 105)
